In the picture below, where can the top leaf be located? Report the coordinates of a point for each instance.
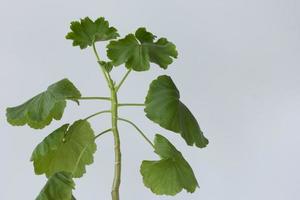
(85, 32)
(139, 49)
(163, 106)
(39, 111)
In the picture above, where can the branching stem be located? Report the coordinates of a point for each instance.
(114, 123)
(138, 129)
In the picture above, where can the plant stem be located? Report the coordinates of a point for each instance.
(97, 113)
(114, 123)
(117, 171)
(138, 129)
(131, 104)
(106, 75)
(103, 132)
(123, 79)
(93, 98)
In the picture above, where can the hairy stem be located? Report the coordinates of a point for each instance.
(114, 123)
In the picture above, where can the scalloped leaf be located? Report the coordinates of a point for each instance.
(59, 186)
(85, 32)
(39, 111)
(137, 51)
(68, 148)
(163, 106)
(171, 174)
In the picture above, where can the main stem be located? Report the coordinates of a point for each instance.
(114, 123)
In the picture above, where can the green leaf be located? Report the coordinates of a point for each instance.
(169, 175)
(163, 106)
(67, 149)
(39, 111)
(59, 186)
(107, 65)
(137, 51)
(85, 32)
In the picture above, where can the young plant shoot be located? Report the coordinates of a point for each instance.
(64, 154)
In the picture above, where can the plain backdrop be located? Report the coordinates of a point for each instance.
(238, 71)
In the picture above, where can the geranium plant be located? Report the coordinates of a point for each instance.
(64, 154)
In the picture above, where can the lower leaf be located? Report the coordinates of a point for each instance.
(171, 174)
(58, 187)
(68, 148)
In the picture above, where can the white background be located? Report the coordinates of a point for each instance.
(238, 71)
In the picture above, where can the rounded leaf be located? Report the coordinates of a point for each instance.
(67, 149)
(163, 106)
(171, 174)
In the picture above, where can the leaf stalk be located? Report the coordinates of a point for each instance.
(131, 104)
(92, 98)
(102, 133)
(97, 113)
(139, 130)
(122, 81)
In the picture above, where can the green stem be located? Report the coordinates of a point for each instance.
(114, 123)
(131, 104)
(92, 98)
(123, 79)
(117, 171)
(138, 129)
(97, 113)
(106, 75)
(103, 132)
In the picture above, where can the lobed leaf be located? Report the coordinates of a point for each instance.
(39, 111)
(139, 49)
(85, 32)
(69, 149)
(171, 174)
(59, 186)
(163, 106)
